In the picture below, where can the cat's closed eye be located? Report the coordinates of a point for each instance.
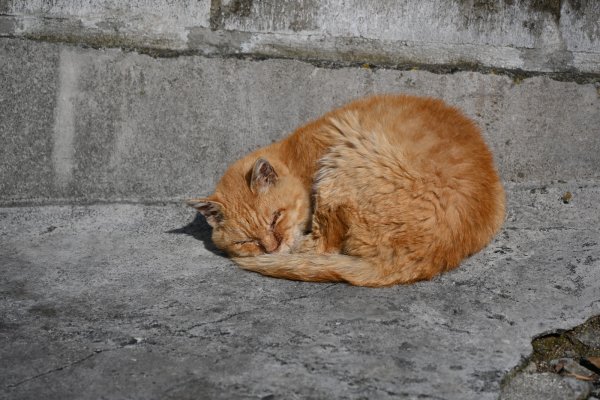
(245, 241)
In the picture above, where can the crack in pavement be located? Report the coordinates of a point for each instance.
(228, 317)
(31, 378)
(304, 296)
(185, 330)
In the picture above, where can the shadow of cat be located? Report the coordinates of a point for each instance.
(199, 229)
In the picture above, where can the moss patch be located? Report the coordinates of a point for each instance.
(561, 344)
(564, 344)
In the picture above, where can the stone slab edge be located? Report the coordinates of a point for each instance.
(215, 32)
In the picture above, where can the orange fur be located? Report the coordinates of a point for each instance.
(403, 188)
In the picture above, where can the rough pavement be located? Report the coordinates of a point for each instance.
(132, 301)
(108, 109)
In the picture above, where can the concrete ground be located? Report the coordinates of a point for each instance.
(131, 301)
(112, 113)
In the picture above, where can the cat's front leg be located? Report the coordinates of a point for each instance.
(307, 244)
(312, 242)
(328, 231)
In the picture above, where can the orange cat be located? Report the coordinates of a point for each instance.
(385, 190)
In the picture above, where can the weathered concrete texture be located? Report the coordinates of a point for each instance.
(155, 23)
(533, 35)
(28, 98)
(129, 301)
(525, 34)
(87, 125)
(546, 386)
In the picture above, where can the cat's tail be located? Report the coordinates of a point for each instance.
(324, 268)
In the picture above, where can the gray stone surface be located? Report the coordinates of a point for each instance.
(28, 97)
(530, 35)
(106, 125)
(533, 35)
(570, 366)
(589, 338)
(545, 386)
(152, 23)
(125, 297)
(130, 301)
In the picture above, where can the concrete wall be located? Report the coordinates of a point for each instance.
(120, 122)
(84, 124)
(532, 35)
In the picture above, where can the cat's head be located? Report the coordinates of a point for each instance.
(257, 208)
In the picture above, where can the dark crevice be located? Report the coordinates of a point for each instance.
(518, 75)
(578, 344)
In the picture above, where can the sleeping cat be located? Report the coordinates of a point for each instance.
(384, 190)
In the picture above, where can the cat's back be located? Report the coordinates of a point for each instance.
(432, 136)
(436, 147)
(418, 122)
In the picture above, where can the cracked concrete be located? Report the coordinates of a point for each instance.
(110, 288)
(527, 35)
(133, 301)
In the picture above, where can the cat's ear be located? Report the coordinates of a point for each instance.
(263, 176)
(212, 210)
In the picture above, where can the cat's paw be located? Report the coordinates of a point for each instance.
(306, 244)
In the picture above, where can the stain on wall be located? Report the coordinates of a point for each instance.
(551, 7)
(223, 10)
